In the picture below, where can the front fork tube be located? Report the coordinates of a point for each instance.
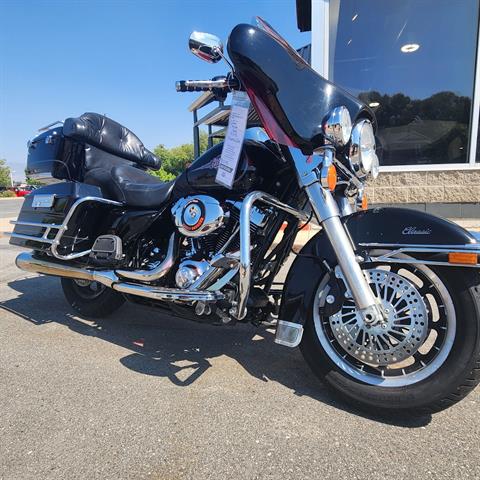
(326, 210)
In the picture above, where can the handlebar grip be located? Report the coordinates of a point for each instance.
(189, 86)
(220, 83)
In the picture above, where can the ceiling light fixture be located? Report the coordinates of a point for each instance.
(374, 104)
(410, 47)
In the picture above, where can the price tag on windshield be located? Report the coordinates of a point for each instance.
(237, 124)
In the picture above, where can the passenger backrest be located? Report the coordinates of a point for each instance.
(106, 134)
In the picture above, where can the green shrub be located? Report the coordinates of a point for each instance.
(7, 194)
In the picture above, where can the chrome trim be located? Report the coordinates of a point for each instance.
(42, 239)
(27, 262)
(64, 227)
(46, 127)
(337, 126)
(167, 294)
(222, 281)
(159, 271)
(35, 224)
(240, 309)
(326, 210)
(288, 334)
(206, 46)
(391, 255)
(344, 206)
(30, 237)
(468, 247)
(213, 215)
(360, 374)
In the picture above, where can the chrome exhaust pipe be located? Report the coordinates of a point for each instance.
(27, 262)
(159, 271)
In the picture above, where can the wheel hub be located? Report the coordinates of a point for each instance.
(399, 336)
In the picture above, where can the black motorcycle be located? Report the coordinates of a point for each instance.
(384, 303)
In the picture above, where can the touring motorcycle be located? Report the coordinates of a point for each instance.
(383, 302)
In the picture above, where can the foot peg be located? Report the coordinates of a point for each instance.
(107, 248)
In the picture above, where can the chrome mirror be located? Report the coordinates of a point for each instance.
(206, 46)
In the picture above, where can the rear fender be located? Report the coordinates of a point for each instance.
(386, 226)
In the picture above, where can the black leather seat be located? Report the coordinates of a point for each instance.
(137, 188)
(111, 137)
(116, 160)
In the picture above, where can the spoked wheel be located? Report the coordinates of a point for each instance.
(424, 356)
(91, 299)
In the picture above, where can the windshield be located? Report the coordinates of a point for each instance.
(290, 98)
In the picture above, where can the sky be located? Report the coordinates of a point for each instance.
(59, 59)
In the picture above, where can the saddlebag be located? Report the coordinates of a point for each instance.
(45, 210)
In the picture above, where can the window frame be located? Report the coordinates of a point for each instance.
(320, 38)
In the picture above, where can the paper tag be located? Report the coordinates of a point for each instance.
(237, 124)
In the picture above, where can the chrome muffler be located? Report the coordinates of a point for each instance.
(159, 271)
(27, 262)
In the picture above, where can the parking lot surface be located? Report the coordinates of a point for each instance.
(144, 395)
(9, 207)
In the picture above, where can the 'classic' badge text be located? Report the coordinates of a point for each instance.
(416, 231)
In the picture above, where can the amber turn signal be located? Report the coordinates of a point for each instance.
(332, 178)
(364, 202)
(465, 258)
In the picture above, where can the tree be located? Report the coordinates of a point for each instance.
(175, 160)
(32, 181)
(5, 179)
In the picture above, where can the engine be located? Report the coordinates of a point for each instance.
(209, 227)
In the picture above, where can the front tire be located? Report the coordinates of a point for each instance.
(91, 299)
(429, 380)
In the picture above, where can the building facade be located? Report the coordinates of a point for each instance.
(416, 63)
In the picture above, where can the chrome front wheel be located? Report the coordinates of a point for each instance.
(425, 355)
(409, 346)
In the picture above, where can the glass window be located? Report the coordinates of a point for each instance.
(478, 141)
(413, 62)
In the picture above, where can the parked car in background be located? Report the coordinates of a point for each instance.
(24, 190)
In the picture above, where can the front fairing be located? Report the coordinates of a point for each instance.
(288, 95)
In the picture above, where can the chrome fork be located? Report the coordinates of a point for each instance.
(326, 210)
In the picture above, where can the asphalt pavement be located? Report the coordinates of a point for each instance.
(145, 395)
(9, 207)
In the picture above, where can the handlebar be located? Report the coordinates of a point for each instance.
(224, 83)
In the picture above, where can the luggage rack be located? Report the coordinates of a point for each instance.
(60, 228)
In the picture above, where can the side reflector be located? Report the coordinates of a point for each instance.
(364, 202)
(332, 178)
(465, 258)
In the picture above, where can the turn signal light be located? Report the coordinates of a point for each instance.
(364, 202)
(465, 258)
(332, 177)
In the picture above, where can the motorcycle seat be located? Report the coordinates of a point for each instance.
(109, 136)
(137, 188)
(130, 185)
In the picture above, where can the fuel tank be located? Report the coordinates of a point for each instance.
(255, 171)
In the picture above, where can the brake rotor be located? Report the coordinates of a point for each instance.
(393, 340)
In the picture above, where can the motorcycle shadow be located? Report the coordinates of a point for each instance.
(180, 350)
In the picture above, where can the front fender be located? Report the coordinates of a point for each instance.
(379, 225)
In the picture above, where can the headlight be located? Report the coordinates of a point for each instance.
(337, 126)
(362, 149)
